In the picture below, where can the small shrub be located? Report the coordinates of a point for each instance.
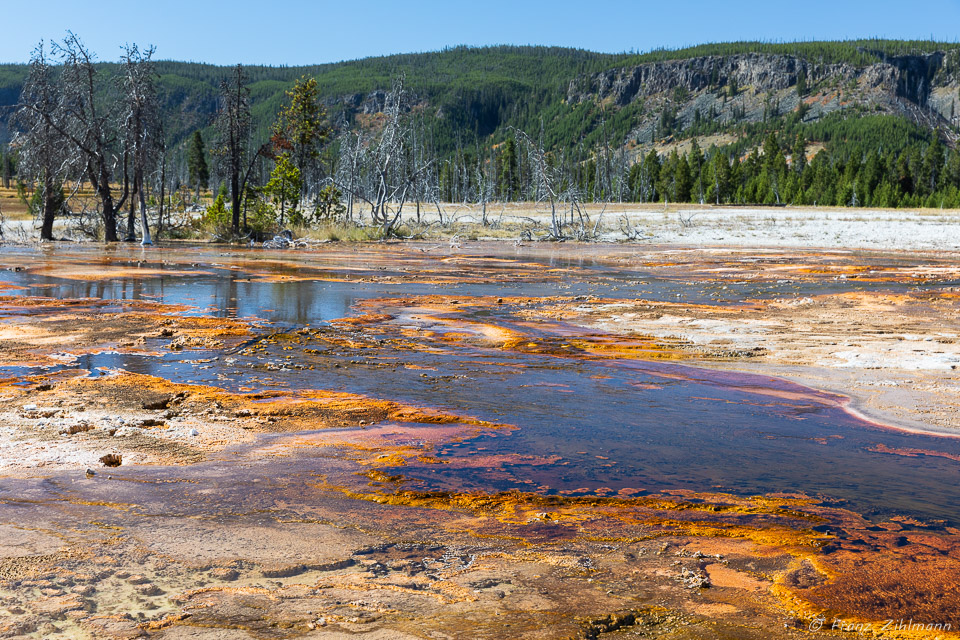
(329, 204)
(263, 221)
(35, 204)
(217, 218)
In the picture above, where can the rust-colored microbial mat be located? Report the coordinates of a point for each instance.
(411, 441)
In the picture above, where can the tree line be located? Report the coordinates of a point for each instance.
(779, 172)
(85, 128)
(859, 52)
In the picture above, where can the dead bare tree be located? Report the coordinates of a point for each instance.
(161, 187)
(687, 221)
(622, 173)
(631, 232)
(545, 179)
(140, 126)
(78, 112)
(485, 188)
(424, 184)
(233, 131)
(647, 177)
(86, 121)
(347, 175)
(43, 157)
(383, 164)
(554, 182)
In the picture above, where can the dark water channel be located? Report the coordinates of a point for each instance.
(613, 424)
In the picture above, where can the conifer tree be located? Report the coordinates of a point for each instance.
(199, 173)
(7, 167)
(798, 154)
(301, 128)
(284, 186)
(695, 162)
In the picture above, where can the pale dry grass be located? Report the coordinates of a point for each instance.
(12, 207)
(652, 223)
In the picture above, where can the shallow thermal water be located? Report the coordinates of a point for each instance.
(598, 425)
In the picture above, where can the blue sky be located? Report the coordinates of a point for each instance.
(296, 32)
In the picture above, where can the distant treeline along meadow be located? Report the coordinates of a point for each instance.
(140, 148)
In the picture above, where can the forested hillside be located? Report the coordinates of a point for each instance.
(483, 91)
(871, 122)
(476, 90)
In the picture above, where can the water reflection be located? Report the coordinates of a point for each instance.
(613, 424)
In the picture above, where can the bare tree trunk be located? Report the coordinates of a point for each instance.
(235, 199)
(553, 218)
(283, 199)
(131, 234)
(163, 194)
(109, 220)
(108, 209)
(144, 224)
(131, 216)
(50, 202)
(233, 126)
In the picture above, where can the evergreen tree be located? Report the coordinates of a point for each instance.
(197, 170)
(508, 175)
(770, 149)
(7, 168)
(695, 161)
(684, 180)
(667, 184)
(718, 188)
(904, 174)
(301, 127)
(951, 175)
(798, 155)
(932, 162)
(645, 178)
(284, 187)
(870, 175)
(668, 120)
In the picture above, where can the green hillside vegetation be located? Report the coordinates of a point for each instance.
(481, 90)
(470, 102)
(855, 52)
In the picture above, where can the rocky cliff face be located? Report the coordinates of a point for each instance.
(918, 87)
(910, 77)
(365, 103)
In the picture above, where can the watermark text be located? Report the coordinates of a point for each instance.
(893, 624)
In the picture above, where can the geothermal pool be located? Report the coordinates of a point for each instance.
(536, 405)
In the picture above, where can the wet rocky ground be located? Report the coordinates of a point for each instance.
(417, 441)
